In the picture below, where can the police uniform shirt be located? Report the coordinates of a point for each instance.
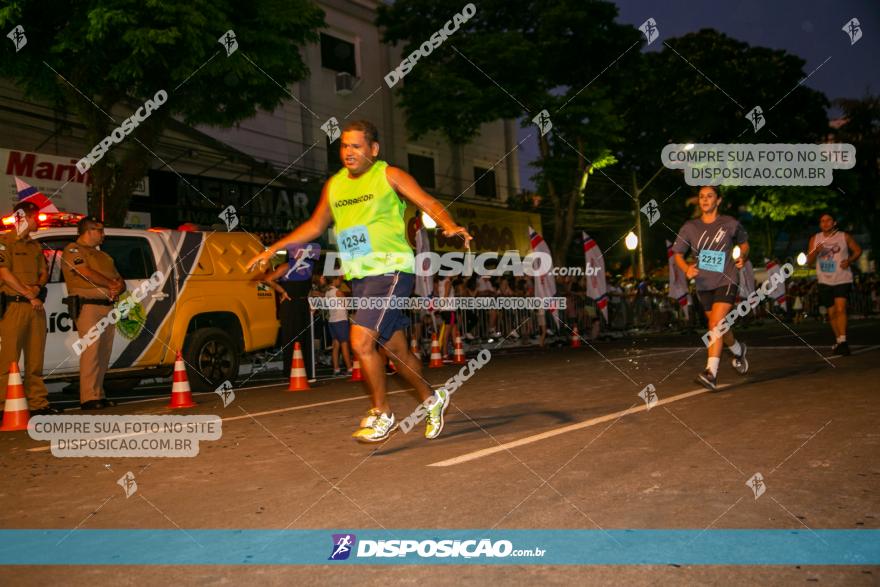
(78, 255)
(24, 258)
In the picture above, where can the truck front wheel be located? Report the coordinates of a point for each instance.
(212, 357)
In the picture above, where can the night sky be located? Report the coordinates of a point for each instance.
(810, 29)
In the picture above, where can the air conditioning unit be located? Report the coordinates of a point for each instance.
(345, 83)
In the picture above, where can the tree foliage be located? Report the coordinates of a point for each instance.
(512, 60)
(118, 53)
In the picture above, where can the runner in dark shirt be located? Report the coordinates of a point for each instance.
(711, 238)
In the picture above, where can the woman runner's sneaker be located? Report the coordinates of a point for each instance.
(707, 380)
(435, 413)
(376, 427)
(739, 362)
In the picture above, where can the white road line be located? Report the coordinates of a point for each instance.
(472, 456)
(267, 413)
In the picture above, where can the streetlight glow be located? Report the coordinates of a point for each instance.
(802, 259)
(631, 241)
(688, 147)
(736, 252)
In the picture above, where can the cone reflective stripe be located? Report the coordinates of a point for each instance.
(436, 359)
(414, 347)
(298, 379)
(575, 338)
(181, 395)
(15, 412)
(391, 366)
(459, 352)
(356, 372)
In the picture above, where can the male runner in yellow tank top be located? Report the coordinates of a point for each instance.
(363, 201)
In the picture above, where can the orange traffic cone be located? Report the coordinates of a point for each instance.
(298, 379)
(414, 348)
(181, 395)
(15, 414)
(575, 338)
(356, 372)
(459, 352)
(436, 359)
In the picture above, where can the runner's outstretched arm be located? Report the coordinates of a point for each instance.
(306, 232)
(405, 185)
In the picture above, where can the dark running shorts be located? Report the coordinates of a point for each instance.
(339, 330)
(827, 293)
(384, 320)
(721, 295)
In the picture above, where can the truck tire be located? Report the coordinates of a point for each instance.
(212, 357)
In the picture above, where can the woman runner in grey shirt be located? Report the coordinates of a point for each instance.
(712, 238)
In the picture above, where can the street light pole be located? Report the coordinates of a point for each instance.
(637, 196)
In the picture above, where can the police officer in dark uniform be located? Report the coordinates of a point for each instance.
(23, 277)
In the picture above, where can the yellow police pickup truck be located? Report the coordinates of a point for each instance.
(187, 291)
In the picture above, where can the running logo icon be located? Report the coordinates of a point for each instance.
(756, 117)
(650, 30)
(230, 217)
(543, 121)
(854, 30)
(128, 484)
(225, 392)
(649, 396)
(331, 127)
(757, 485)
(20, 221)
(19, 39)
(652, 211)
(343, 544)
(229, 42)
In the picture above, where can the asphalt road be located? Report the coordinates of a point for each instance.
(554, 439)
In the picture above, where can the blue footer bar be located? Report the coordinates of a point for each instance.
(472, 546)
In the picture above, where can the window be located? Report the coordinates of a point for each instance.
(132, 255)
(484, 182)
(422, 169)
(337, 54)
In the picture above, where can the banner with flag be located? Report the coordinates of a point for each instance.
(545, 284)
(746, 280)
(778, 292)
(597, 286)
(678, 285)
(28, 193)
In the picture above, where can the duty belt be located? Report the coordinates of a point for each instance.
(20, 299)
(95, 302)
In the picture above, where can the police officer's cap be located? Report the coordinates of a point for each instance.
(86, 221)
(28, 208)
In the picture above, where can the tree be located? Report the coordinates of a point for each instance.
(773, 207)
(861, 128)
(699, 88)
(114, 55)
(512, 60)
